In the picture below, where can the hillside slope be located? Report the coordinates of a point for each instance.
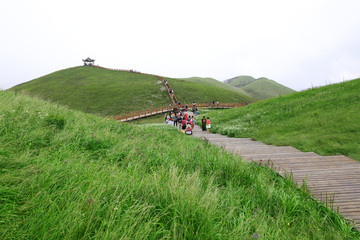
(214, 82)
(70, 175)
(108, 92)
(99, 91)
(264, 88)
(323, 120)
(203, 92)
(261, 88)
(240, 81)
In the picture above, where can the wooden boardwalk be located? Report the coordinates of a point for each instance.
(335, 180)
(152, 112)
(174, 101)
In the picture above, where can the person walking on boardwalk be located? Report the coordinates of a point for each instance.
(208, 124)
(192, 122)
(183, 124)
(175, 120)
(203, 123)
(180, 119)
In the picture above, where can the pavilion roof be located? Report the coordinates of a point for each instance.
(89, 60)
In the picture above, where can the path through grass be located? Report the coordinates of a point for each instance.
(323, 120)
(69, 175)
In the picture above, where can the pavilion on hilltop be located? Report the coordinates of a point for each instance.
(88, 62)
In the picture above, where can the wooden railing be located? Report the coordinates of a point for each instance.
(142, 114)
(151, 112)
(174, 100)
(167, 86)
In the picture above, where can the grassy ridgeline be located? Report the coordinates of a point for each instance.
(98, 91)
(214, 82)
(261, 88)
(206, 90)
(264, 88)
(69, 175)
(108, 92)
(324, 120)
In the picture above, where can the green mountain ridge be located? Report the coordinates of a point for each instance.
(214, 82)
(240, 81)
(109, 92)
(261, 88)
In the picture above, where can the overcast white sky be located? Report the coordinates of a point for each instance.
(297, 43)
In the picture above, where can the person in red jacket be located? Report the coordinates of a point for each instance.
(208, 124)
(183, 124)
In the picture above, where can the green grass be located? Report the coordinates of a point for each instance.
(69, 175)
(214, 82)
(107, 92)
(98, 91)
(240, 81)
(261, 88)
(264, 88)
(324, 120)
(160, 118)
(205, 91)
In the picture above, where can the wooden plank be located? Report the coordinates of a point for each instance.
(338, 177)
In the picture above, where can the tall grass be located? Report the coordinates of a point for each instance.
(69, 175)
(324, 120)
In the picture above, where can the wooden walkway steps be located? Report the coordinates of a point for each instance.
(152, 112)
(174, 101)
(169, 90)
(335, 180)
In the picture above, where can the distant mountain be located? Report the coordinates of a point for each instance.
(240, 81)
(261, 88)
(216, 83)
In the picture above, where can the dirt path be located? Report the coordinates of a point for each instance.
(333, 179)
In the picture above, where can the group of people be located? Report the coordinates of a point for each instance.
(182, 120)
(171, 92)
(185, 122)
(205, 124)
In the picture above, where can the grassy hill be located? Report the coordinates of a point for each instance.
(264, 88)
(96, 90)
(240, 81)
(214, 82)
(323, 120)
(70, 175)
(107, 92)
(261, 88)
(203, 90)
